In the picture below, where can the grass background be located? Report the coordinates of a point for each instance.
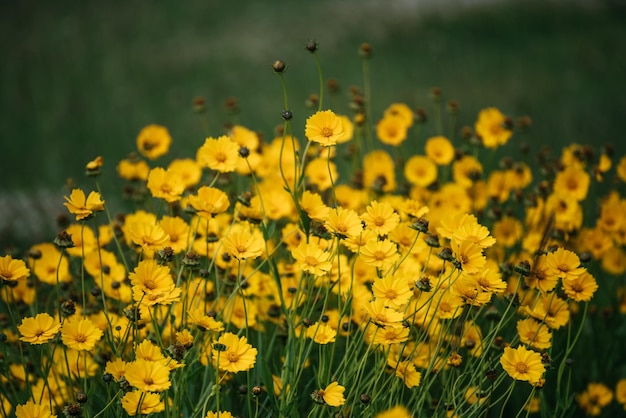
(80, 80)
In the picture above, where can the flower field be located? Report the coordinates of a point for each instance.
(352, 265)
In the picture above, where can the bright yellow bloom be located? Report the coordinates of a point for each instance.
(534, 334)
(383, 315)
(406, 371)
(392, 130)
(393, 290)
(398, 411)
(344, 222)
(490, 128)
(620, 392)
(12, 270)
(148, 376)
(221, 154)
(448, 305)
(166, 185)
(80, 334)
(473, 232)
(332, 395)
(150, 237)
(314, 207)
(154, 141)
(420, 171)
(209, 201)
(33, 410)
(378, 172)
(440, 150)
(178, 231)
(142, 403)
(508, 231)
(389, 335)
(348, 129)
(522, 364)
(52, 265)
(38, 330)
(200, 319)
(469, 256)
(324, 128)
(572, 181)
(153, 284)
(550, 309)
(83, 207)
(380, 217)
(133, 169)
(187, 169)
(380, 254)
(116, 368)
(321, 333)
(221, 414)
(402, 111)
(237, 355)
(322, 173)
(581, 288)
(564, 264)
(242, 244)
(312, 259)
(466, 171)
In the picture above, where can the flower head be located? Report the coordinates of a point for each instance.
(153, 141)
(142, 403)
(80, 334)
(165, 184)
(332, 395)
(238, 355)
(148, 376)
(33, 410)
(209, 201)
(490, 128)
(312, 259)
(12, 270)
(243, 244)
(324, 128)
(380, 217)
(221, 154)
(522, 364)
(38, 330)
(83, 207)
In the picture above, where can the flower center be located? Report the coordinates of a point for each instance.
(150, 284)
(310, 260)
(379, 221)
(148, 381)
(232, 357)
(379, 255)
(220, 157)
(327, 132)
(521, 367)
(80, 338)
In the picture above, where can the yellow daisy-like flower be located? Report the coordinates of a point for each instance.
(199, 318)
(420, 171)
(620, 392)
(406, 371)
(332, 395)
(243, 244)
(153, 283)
(188, 169)
(392, 130)
(166, 185)
(324, 128)
(233, 354)
(581, 288)
(209, 201)
(178, 231)
(314, 206)
(83, 207)
(469, 256)
(522, 364)
(398, 411)
(38, 330)
(150, 237)
(440, 150)
(344, 222)
(378, 172)
(572, 181)
(564, 264)
(220, 414)
(221, 154)
(380, 314)
(154, 141)
(80, 334)
(534, 334)
(148, 376)
(380, 217)
(594, 398)
(321, 333)
(142, 403)
(402, 111)
(393, 290)
(490, 128)
(379, 254)
(33, 410)
(133, 169)
(52, 265)
(466, 171)
(390, 335)
(12, 270)
(312, 259)
(321, 173)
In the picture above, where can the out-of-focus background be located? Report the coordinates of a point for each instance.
(80, 79)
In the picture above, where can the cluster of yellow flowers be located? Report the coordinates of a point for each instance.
(262, 276)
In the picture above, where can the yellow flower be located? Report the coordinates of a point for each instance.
(33, 410)
(142, 403)
(581, 288)
(469, 256)
(507, 231)
(392, 130)
(621, 169)
(383, 315)
(522, 364)
(324, 128)
(380, 254)
(389, 335)
(470, 230)
(200, 319)
(321, 333)
(378, 172)
(116, 368)
(166, 185)
(178, 231)
(466, 171)
(132, 169)
(153, 284)
(534, 334)
(344, 222)
(52, 265)
(420, 171)
(322, 173)
(221, 154)
(237, 355)
(348, 129)
(398, 411)
(153, 141)
(38, 330)
(314, 207)
(242, 244)
(312, 259)
(596, 397)
(490, 128)
(209, 201)
(572, 181)
(80, 334)
(150, 237)
(380, 217)
(148, 376)
(332, 395)
(440, 150)
(406, 371)
(393, 290)
(188, 170)
(220, 414)
(620, 392)
(83, 207)
(12, 270)
(564, 264)
(402, 111)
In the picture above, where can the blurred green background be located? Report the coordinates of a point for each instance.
(80, 79)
